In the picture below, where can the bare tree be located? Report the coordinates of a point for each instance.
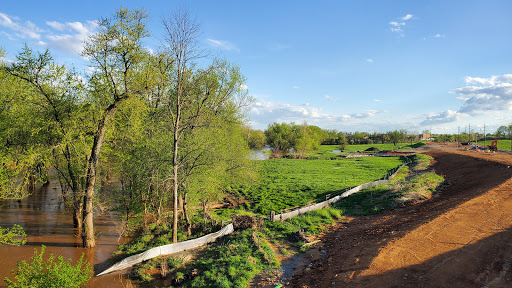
(182, 34)
(199, 102)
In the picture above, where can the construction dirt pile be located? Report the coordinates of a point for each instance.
(462, 237)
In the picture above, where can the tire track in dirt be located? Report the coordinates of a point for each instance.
(459, 238)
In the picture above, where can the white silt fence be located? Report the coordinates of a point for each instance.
(300, 211)
(198, 242)
(168, 249)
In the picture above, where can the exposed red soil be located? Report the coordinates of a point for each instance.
(462, 237)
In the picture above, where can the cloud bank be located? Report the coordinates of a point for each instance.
(68, 37)
(265, 112)
(479, 96)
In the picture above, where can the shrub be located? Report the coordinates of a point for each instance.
(50, 274)
(13, 236)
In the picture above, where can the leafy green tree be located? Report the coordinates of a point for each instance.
(121, 72)
(13, 236)
(22, 137)
(53, 107)
(504, 131)
(50, 273)
(342, 141)
(397, 136)
(331, 137)
(199, 102)
(280, 137)
(358, 138)
(255, 138)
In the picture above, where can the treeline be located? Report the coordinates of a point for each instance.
(168, 130)
(503, 132)
(302, 138)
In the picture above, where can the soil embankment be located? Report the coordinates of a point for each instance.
(459, 238)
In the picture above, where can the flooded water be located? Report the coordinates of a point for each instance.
(46, 222)
(261, 154)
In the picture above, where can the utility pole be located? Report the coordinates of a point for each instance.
(458, 135)
(485, 138)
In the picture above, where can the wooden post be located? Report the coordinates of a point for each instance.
(272, 215)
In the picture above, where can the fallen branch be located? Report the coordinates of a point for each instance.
(310, 243)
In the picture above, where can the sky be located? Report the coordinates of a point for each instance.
(372, 66)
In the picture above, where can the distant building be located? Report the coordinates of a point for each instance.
(425, 137)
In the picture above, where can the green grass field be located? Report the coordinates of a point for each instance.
(502, 144)
(290, 183)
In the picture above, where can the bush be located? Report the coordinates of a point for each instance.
(13, 236)
(49, 274)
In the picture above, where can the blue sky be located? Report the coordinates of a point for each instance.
(344, 65)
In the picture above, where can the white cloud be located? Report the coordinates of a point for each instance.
(265, 112)
(486, 94)
(493, 80)
(68, 37)
(243, 87)
(57, 26)
(435, 36)
(330, 98)
(27, 30)
(295, 87)
(362, 115)
(72, 42)
(481, 96)
(398, 26)
(447, 116)
(376, 100)
(225, 45)
(407, 17)
(369, 60)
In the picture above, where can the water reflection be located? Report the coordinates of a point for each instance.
(261, 154)
(46, 222)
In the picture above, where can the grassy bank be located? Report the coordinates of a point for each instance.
(412, 183)
(293, 183)
(235, 259)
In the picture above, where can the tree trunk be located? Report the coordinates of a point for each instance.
(175, 162)
(77, 211)
(187, 217)
(175, 193)
(88, 222)
(204, 212)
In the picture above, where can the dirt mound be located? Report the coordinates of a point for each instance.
(244, 222)
(459, 238)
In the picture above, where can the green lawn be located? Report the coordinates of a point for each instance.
(290, 183)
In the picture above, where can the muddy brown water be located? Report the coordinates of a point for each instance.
(46, 222)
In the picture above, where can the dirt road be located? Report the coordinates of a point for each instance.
(462, 237)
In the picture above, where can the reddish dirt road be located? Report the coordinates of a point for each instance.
(462, 237)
